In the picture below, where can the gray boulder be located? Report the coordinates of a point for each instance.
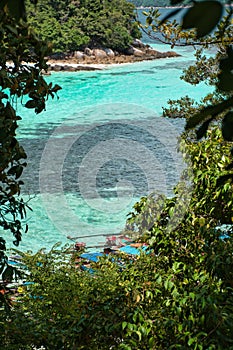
(98, 53)
(79, 55)
(133, 51)
(139, 44)
(88, 51)
(109, 52)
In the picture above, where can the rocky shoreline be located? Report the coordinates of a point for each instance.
(97, 59)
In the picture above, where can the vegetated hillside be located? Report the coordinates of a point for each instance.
(71, 25)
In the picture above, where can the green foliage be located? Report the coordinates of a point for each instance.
(214, 70)
(66, 308)
(18, 80)
(195, 249)
(71, 25)
(177, 296)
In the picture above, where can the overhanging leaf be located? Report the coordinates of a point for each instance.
(8, 274)
(169, 15)
(31, 104)
(15, 8)
(227, 127)
(206, 112)
(203, 16)
(229, 166)
(226, 64)
(56, 88)
(225, 81)
(223, 179)
(149, 20)
(201, 132)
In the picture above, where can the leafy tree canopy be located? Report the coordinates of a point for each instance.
(71, 25)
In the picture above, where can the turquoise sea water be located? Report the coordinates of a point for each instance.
(100, 147)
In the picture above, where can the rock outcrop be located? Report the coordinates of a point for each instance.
(89, 59)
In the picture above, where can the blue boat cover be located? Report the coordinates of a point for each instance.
(132, 250)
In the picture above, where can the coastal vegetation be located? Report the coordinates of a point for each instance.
(74, 25)
(179, 293)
